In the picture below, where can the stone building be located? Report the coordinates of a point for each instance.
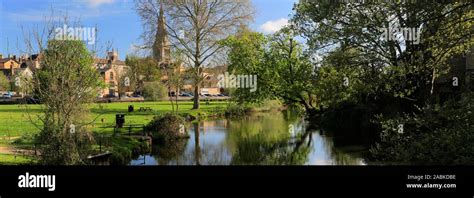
(112, 72)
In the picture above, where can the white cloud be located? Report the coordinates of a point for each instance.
(271, 27)
(96, 3)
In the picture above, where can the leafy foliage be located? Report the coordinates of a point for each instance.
(282, 70)
(400, 67)
(166, 128)
(65, 84)
(154, 91)
(4, 82)
(439, 135)
(142, 70)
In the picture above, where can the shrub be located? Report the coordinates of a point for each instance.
(236, 110)
(154, 91)
(167, 128)
(439, 135)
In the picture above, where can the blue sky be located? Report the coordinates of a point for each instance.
(116, 20)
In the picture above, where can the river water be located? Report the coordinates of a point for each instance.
(276, 138)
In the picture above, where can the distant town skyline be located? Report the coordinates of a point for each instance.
(116, 20)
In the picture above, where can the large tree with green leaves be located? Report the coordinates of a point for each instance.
(141, 70)
(66, 83)
(409, 68)
(283, 69)
(246, 55)
(4, 82)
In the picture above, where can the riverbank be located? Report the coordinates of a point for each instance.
(261, 138)
(17, 123)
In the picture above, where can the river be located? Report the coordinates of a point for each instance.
(276, 138)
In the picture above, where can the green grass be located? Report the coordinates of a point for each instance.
(108, 111)
(8, 159)
(17, 120)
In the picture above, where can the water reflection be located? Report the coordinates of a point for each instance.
(261, 139)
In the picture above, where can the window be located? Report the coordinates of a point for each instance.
(111, 75)
(111, 85)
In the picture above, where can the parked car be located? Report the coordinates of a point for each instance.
(110, 96)
(136, 96)
(220, 95)
(31, 100)
(185, 95)
(6, 96)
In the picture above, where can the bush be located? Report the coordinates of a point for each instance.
(154, 91)
(236, 110)
(63, 148)
(120, 156)
(4, 83)
(268, 105)
(437, 136)
(167, 128)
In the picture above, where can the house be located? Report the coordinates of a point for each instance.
(112, 72)
(111, 69)
(14, 68)
(8, 65)
(32, 62)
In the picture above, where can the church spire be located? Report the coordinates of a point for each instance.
(161, 47)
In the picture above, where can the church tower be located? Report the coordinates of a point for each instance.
(161, 47)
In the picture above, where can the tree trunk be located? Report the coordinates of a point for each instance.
(176, 95)
(196, 97)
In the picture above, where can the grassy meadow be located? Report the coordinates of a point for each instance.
(19, 120)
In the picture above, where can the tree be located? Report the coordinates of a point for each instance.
(411, 64)
(18, 84)
(196, 27)
(292, 69)
(437, 136)
(154, 91)
(141, 70)
(64, 85)
(4, 82)
(376, 46)
(283, 70)
(340, 78)
(246, 55)
(123, 79)
(176, 79)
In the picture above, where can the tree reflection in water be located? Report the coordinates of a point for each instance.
(260, 139)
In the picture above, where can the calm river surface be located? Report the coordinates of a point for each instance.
(276, 138)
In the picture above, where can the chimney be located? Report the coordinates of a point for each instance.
(14, 57)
